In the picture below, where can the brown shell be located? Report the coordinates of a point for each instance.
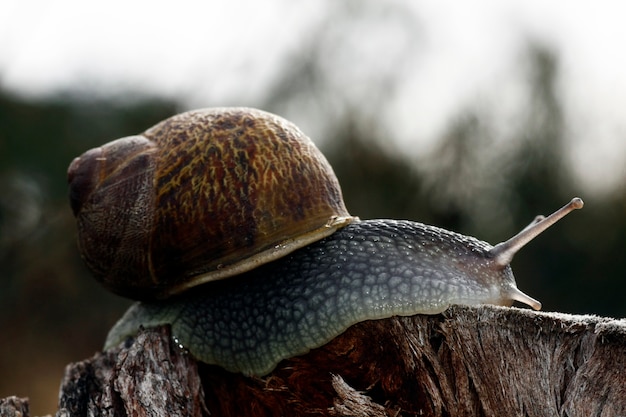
(200, 196)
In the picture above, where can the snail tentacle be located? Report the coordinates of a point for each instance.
(503, 252)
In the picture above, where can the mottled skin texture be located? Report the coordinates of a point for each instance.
(368, 270)
(197, 196)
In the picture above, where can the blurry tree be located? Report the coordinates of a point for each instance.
(540, 180)
(366, 168)
(336, 76)
(51, 311)
(459, 181)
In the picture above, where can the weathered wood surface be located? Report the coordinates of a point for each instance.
(468, 361)
(14, 407)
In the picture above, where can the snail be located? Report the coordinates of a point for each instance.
(229, 225)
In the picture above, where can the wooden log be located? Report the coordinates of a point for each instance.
(14, 407)
(150, 376)
(467, 361)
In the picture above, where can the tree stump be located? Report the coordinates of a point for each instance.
(467, 361)
(14, 407)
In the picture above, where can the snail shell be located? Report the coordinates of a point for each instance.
(200, 196)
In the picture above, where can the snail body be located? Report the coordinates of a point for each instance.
(265, 295)
(371, 269)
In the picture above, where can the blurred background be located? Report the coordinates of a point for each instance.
(474, 116)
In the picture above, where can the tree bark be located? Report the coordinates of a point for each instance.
(467, 361)
(14, 407)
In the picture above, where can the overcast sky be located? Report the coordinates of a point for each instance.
(230, 52)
